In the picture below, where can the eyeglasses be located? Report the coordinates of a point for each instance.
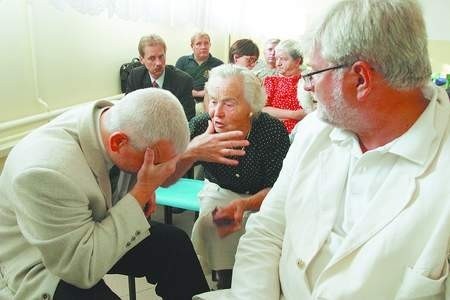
(249, 59)
(309, 76)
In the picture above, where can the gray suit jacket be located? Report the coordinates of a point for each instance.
(56, 219)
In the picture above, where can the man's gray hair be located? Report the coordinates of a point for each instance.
(292, 48)
(272, 41)
(199, 35)
(388, 34)
(254, 93)
(147, 116)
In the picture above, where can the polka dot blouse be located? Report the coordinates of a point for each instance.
(261, 165)
(282, 93)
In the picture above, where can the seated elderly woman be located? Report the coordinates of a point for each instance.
(281, 89)
(241, 149)
(244, 53)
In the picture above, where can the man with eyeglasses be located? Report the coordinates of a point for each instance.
(361, 209)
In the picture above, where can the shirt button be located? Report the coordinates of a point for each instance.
(45, 296)
(128, 244)
(300, 263)
(237, 175)
(133, 238)
(138, 232)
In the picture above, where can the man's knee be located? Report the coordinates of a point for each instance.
(171, 234)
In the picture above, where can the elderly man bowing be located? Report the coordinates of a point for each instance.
(72, 208)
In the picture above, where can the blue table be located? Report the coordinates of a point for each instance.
(181, 194)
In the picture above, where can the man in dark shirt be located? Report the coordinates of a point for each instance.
(155, 73)
(198, 64)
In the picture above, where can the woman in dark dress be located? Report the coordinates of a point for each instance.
(241, 173)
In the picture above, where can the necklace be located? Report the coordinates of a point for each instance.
(243, 147)
(237, 175)
(248, 134)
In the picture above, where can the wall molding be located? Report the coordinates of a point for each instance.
(12, 132)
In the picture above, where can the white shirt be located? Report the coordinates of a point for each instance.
(361, 186)
(159, 80)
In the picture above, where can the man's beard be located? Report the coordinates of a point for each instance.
(337, 112)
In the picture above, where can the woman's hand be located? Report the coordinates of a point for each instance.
(217, 147)
(211, 147)
(233, 213)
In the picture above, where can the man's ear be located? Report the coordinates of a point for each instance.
(364, 74)
(117, 140)
(141, 59)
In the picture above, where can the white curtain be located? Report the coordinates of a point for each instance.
(256, 18)
(170, 12)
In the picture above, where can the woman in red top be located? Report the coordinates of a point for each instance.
(281, 89)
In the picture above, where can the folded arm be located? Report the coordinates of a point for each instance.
(283, 114)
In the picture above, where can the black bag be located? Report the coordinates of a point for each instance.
(125, 71)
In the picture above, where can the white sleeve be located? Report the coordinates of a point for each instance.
(256, 270)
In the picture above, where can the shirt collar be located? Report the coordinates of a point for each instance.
(160, 80)
(415, 143)
(191, 57)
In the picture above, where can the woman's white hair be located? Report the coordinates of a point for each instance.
(254, 93)
(147, 116)
(292, 48)
(388, 34)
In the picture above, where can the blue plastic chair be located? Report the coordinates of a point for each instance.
(182, 194)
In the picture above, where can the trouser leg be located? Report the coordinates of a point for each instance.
(66, 291)
(166, 258)
(224, 279)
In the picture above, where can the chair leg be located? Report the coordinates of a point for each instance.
(168, 215)
(132, 287)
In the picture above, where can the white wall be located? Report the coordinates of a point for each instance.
(55, 57)
(16, 82)
(77, 57)
(437, 17)
(63, 57)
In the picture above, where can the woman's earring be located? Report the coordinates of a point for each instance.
(250, 115)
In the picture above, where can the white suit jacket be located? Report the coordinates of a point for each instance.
(399, 249)
(56, 219)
